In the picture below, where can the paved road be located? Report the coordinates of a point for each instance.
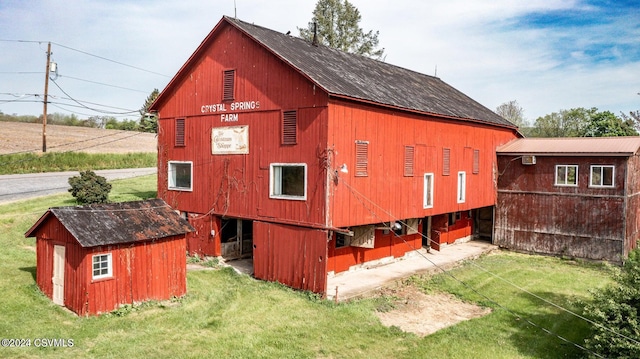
(18, 187)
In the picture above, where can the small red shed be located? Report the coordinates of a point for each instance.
(313, 161)
(574, 197)
(92, 259)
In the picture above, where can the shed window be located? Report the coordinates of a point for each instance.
(462, 186)
(288, 181)
(362, 158)
(408, 161)
(566, 175)
(180, 132)
(446, 161)
(602, 176)
(102, 267)
(476, 162)
(228, 87)
(289, 127)
(427, 199)
(180, 176)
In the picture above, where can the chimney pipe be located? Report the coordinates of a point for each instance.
(314, 42)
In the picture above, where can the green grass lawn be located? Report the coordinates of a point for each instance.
(73, 161)
(225, 315)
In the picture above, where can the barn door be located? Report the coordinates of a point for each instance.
(58, 275)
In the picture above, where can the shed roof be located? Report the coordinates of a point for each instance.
(572, 146)
(360, 78)
(117, 223)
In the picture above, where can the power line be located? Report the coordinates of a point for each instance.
(103, 84)
(89, 108)
(358, 194)
(109, 60)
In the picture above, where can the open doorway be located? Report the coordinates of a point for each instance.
(483, 223)
(236, 237)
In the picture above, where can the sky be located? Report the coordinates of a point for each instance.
(548, 55)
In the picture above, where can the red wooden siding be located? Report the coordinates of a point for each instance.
(294, 256)
(370, 199)
(201, 242)
(386, 245)
(142, 271)
(534, 215)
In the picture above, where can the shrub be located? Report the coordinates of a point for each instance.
(616, 311)
(89, 188)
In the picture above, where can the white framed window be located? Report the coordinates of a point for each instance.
(427, 197)
(567, 175)
(602, 176)
(288, 181)
(462, 186)
(102, 266)
(180, 175)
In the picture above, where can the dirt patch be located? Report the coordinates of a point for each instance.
(413, 311)
(17, 137)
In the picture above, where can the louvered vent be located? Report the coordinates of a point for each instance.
(408, 161)
(180, 132)
(362, 158)
(446, 161)
(228, 85)
(290, 128)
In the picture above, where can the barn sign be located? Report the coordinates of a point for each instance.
(230, 140)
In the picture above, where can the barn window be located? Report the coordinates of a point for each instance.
(427, 198)
(408, 161)
(289, 127)
(462, 186)
(446, 161)
(602, 176)
(180, 176)
(567, 175)
(476, 162)
(228, 87)
(102, 267)
(180, 132)
(362, 158)
(288, 181)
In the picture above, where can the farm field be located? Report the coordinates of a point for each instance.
(228, 315)
(19, 137)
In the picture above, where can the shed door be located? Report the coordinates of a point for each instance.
(58, 275)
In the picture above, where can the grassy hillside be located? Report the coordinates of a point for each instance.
(225, 315)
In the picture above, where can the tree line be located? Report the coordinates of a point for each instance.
(575, 122)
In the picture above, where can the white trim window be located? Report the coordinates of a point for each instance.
(462, 186)
(180, 175)
(602, 176)
(288, 181)
(427, 197)
(102, 266)
(567, 175)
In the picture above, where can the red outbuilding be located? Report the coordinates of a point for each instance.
(311, 160)
(573, 197)
(92, 259)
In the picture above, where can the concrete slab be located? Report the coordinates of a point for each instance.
(360, 282)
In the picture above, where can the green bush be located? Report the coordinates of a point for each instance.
(615, 310)
(89, 188)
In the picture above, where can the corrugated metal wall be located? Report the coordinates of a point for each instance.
(294, 256)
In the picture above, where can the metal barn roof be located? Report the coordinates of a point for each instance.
(118, 223)
(361, 78)
(574, 146)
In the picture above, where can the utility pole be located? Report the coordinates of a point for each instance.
(46, 94)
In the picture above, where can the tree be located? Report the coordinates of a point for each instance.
(512, 112)
(149, 121)
(606, 124)
(89, 188)
(615, 310)
(338, 27)
(632, 118)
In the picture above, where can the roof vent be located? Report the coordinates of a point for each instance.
(528, 160)
(314, 42)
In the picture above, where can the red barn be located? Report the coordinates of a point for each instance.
(575, 197)
(311, 160)
(92, 259)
